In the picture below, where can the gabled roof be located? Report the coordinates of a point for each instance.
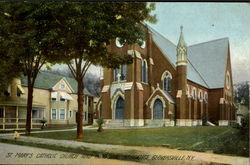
(206, 61)
(47, 80)
(210, 60)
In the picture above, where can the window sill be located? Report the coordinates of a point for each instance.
(145, 83)
(116, 82)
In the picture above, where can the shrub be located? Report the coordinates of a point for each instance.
(100, 122)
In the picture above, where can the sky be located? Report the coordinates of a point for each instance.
(204, 22)
(209, 21)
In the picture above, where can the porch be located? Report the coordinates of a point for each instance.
(13, 116)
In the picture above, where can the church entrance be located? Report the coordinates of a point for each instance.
(119, 109)
(158, 109)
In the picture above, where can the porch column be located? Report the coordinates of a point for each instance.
(16, 116)
(3, 117)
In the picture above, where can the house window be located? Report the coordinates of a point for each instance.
(70, 114)
(62, 99)
(85, 116)
(62, 86)
(53, 99)
(120, 74)
(35, 113)
(62, 114)
(53, 114)
(144, 69)
(166, 81)
(1, 112)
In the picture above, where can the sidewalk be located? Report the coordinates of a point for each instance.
(151, 155)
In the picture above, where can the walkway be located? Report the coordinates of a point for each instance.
(17, 154)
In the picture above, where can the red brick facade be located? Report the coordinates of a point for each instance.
(140, 107)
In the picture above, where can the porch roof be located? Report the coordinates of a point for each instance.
(20, 102)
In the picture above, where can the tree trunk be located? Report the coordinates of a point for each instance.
(79, 135)
(29, 109)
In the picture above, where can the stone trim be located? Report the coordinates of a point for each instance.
(152, 105)
(151, 61)
(223, 122)
(105, 88)
(139, 86)
(161, 91)
(118, 93)
(134, 53)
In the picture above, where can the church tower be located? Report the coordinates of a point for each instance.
(181, 67)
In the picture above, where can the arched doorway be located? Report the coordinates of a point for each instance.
(158, 109)
(119, 109)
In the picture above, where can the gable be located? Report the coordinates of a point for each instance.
(63, 85)
(47, 80)
(206, 61)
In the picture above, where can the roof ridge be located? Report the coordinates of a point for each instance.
(59, 75)
(209, 41)
(160, 34)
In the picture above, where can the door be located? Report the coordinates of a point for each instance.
(119, 109)
(158, 109)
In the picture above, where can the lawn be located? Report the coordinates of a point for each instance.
(225, 140)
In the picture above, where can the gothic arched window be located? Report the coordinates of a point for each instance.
(144, 71)
(166, 81)
(194, 93)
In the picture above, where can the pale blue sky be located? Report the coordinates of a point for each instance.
(204, 22)
(208, 21)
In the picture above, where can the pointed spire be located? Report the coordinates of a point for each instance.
(181, 50)
(181, 42)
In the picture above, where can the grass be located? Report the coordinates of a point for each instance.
(223, 140)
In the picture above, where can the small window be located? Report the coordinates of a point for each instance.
(62, 86)
(53, 114)
(85, 115)
(144, 71)
(206, 97)
(53, 99)
(166, 81)
(200, 95)
(70, 114)
(118, 43)
(62, 114)
(62, 99)
(120, 74)
(194, 93)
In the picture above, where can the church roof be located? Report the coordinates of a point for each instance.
(206, 61)
(47, 80)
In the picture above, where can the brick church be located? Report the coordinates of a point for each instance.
(168, 84)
